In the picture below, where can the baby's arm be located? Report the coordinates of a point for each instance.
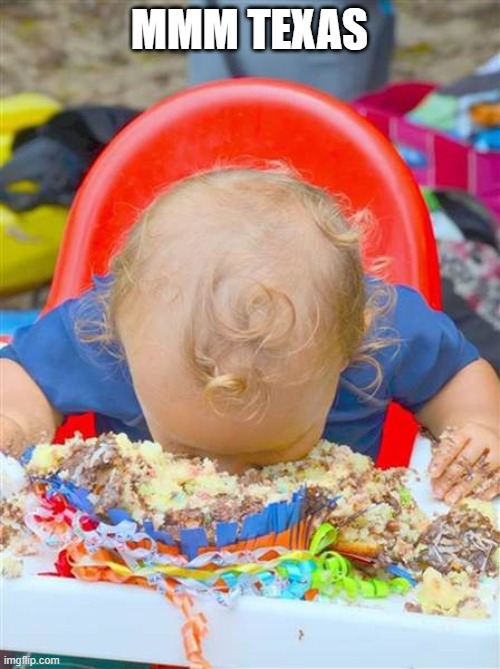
(48, 372)
(467, 458)
(438, 375)
(26, 414)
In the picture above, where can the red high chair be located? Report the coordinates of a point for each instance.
(230, 123)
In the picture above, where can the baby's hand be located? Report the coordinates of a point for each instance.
(466, 461)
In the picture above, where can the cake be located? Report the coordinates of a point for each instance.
(452, 594)
(463, 540)
(175, 492)
(375, 514)
(16, 497)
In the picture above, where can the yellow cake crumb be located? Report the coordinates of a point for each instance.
(46, 458)
(152, 452)
(450, 595)
(10, 567)
(485, 508)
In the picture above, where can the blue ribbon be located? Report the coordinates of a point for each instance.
(75, 495)
(396, 570)
(27, 454)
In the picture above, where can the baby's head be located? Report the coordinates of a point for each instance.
(238, 299)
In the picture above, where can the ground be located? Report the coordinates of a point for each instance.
(78, 50)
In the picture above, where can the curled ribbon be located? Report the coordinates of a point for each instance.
(122, 553)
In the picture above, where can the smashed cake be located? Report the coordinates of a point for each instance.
(376, 515)
(16, 497)
(372, 509)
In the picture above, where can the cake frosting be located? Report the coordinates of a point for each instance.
(13, 476)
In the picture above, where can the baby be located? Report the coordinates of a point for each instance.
(237, 322)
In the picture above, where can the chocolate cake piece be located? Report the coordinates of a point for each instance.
(463, 539)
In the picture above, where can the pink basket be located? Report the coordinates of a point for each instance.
(449, 163)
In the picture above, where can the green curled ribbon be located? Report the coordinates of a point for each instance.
(373, 588)
(325, 536)
(335, 574)
(293, 575)
(331, 568)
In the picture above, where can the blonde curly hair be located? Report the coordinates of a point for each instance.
(249, 316)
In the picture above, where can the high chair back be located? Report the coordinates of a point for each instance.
(247, 122)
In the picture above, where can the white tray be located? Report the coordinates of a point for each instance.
(102, 620)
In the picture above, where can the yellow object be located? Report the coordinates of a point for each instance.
(46, 458)
(5, 147)
(29, 241)
(25, 110)
(29, 244)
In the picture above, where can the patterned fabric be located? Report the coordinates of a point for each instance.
(474, 270)
(470, 278)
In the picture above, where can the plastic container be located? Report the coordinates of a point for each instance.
(449, 163)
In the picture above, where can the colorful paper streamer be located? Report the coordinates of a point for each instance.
(282, 563)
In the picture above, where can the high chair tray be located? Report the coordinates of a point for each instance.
(58, 616)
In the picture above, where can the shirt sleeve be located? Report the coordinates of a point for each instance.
(431, 350)
(76, 375)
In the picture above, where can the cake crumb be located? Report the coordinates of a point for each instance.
(10, 566)
(412, 607)
(25, 546)
(450, 595)
(487, 509)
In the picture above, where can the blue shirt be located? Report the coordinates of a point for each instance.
(77, 376)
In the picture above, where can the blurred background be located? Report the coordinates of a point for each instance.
(75, 53)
